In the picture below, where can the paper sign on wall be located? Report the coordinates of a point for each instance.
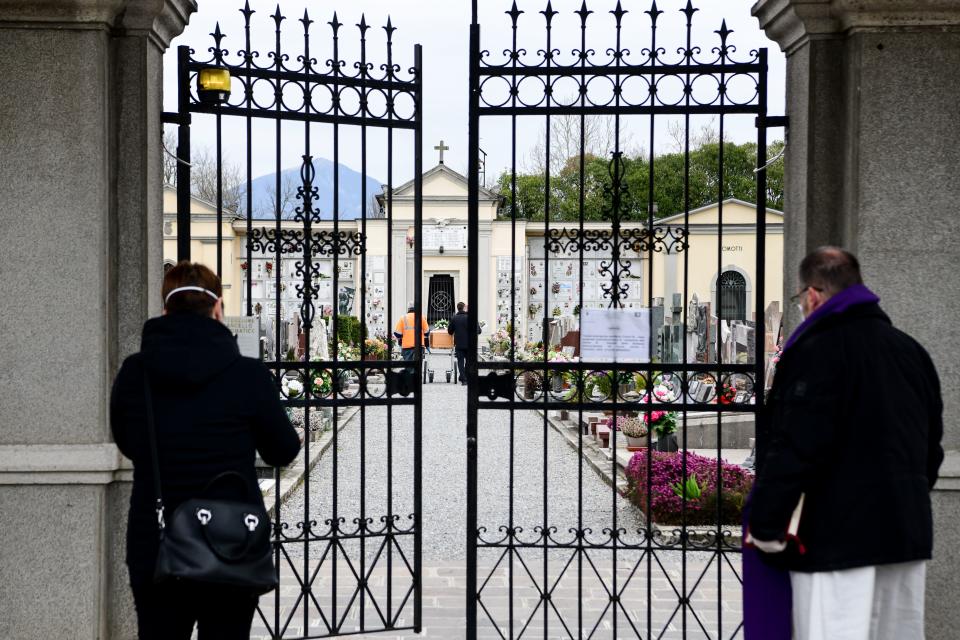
(615, 335)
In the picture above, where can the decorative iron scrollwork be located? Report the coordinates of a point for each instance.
(616, 79)
(324, 243)
(300, 90)
(618, 240)
(497, 385)
(668, 239)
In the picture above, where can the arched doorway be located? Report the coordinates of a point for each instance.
(733, 296)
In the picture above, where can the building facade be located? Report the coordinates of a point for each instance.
(546, 278)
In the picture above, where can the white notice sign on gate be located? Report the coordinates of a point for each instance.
(615, 335)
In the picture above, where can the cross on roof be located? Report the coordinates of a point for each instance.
(441, 148)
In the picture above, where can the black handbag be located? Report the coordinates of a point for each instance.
(212, 541)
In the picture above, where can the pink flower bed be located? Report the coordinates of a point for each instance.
(666, 503)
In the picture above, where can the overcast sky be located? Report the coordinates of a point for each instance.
(442, 27)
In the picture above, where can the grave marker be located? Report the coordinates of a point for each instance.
(246, 329)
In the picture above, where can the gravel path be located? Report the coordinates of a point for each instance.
(444, 517)
(444, 475)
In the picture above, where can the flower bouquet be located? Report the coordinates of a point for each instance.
(728, 394)
(499, 343)
(376, 349)
(292, 388)
(322, 383)
(346, 352)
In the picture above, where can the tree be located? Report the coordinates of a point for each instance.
(285, 199)
(203, 180)
(679, 182)
(599, 139)
(169, 161)
(707, 134)
(203, 175)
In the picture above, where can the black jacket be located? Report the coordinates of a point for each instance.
(460, 329)
(212, 409)
(855, 422)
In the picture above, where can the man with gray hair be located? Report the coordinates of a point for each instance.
(853, 449)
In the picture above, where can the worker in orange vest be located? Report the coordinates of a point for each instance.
(404, 331)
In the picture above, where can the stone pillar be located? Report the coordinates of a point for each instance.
(81, 216)
(872, 152)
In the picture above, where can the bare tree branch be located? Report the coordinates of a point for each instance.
(203, 180)
(599, 139)
(286, 199)
(169, 162)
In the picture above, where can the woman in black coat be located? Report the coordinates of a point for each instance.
(213, 410)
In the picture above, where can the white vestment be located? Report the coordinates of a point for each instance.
(883, 602)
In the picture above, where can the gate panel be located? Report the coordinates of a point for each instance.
(658, 554)
(317, 279)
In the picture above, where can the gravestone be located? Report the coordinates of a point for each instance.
(267, 335)
(704, 392)
(319, 344)
(246, 329)
(773, 327)
(293, 333)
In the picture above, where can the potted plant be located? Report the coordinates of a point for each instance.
(664, 424)
(531, 384)
(634, 429)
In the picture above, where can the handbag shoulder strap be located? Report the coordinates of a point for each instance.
(152, 442)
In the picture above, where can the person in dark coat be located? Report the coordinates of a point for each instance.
(855, 423)
(213, 410)
(460, 329)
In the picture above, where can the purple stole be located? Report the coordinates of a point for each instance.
(767, 597)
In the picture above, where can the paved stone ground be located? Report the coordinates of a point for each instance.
(715, 603)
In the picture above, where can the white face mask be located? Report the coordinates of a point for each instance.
(803, 316)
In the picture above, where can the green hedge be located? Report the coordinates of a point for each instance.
(349, 330)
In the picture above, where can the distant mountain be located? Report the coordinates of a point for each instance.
(264, 189)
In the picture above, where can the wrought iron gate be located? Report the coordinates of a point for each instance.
(354, 568)
(652, 579)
